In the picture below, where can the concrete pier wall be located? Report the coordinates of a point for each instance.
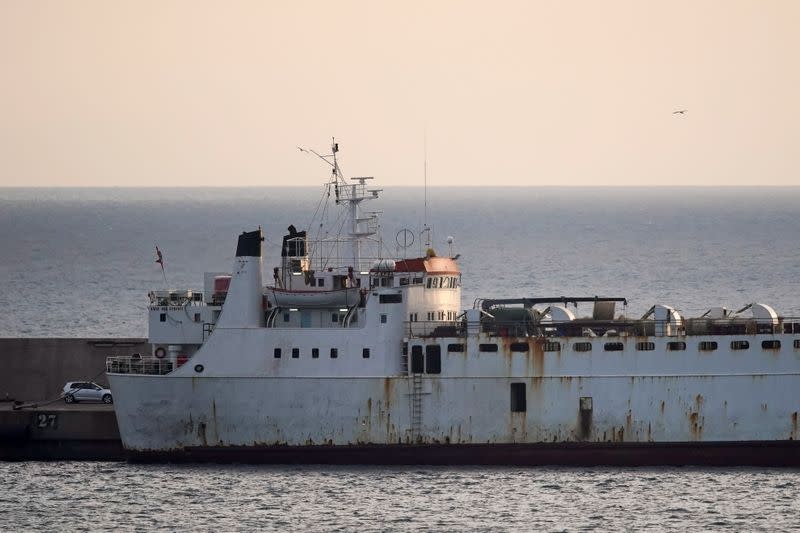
(36, 369)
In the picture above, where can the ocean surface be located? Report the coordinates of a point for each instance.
(79, 262)
(120, 497)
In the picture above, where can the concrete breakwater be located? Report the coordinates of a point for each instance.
(36, 369)
(33, 373)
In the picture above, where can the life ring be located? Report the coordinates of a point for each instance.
(160, 352)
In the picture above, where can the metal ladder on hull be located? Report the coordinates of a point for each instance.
(416, 407)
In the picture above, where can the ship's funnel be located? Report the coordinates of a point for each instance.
(243, 306)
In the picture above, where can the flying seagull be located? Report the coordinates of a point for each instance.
(680, 112)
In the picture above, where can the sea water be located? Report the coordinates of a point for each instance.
(79, 263)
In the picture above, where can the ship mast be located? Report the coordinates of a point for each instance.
(351, 195)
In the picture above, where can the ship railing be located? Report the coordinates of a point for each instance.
(151, 366)
(336, 253)
(435, 328)
(175, 298)
(608, 328)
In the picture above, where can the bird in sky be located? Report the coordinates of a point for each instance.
(680, 112)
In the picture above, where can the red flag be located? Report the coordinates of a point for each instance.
(160, 259)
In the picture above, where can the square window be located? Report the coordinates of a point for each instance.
(295, 353)
(286, 317)
(277, 353)
(383, 319)
(334, 317)
(365, 353)
(163, 317)
(314, 353)
(197, 317)
(321, 282)
(334, 353)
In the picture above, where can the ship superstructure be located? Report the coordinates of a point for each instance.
(351, 357)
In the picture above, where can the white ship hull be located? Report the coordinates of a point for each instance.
(687, 404)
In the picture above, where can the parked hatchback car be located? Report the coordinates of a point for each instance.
(86, 391)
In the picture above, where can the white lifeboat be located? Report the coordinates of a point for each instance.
(309, 298)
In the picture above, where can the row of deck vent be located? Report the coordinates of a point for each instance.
(673, 346)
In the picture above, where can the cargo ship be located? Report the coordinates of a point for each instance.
(347, 356)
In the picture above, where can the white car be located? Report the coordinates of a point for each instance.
(86, 391)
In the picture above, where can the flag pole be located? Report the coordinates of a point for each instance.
(160, 261)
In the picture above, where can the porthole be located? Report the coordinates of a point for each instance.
(199, 368)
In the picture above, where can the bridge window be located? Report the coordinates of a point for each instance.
(740, 345)
(552, 346)
(314, 353)
(417, 281)
(365, 353)
(797, 343)
(519, 347)
(707, 346)
(518, 404)
(277, 353)
(645, 346)
(487, 347)
(334, 353)
(390, 298)
(676, 346)
(455, 347)
(613, 346)
(295, 353)
(771, 345)
(582, 346)
(433, 359)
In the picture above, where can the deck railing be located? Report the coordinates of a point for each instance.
(609, 328)
(139, 365)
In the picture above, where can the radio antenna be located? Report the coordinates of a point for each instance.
(425, 228)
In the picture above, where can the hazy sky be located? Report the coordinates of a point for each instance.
(169, 93)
